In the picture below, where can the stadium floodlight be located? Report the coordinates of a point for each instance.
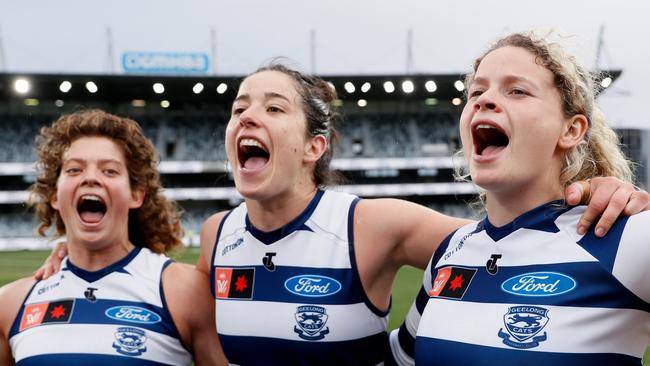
(362, 103)
(349, 87)
(158, 88)
(59, 103)
(365, 87)
(92, 87)
(456, 101)
(165, 103)
(65, 86)
(22, 86)
(331, 85)
(459, 85)
(197, 89)
(430, 86)
(606, 82)
(389, 87)
(408, 87)
(222, 88)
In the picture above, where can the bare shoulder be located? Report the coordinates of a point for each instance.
(12, 296)
(208, 239)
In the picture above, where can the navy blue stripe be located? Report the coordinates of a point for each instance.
(252, 351)
(87, 312)
(431, 351)
(541, 218)
(92, 276)
(270, 237)
(353, 261)
(86, 359)
(406, 340)
(270, 286)
(421, 300)
(595, 287)
(604, 249)
(442, 248)
(214, 253)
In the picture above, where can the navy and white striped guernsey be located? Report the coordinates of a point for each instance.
(533, 292)
(293, 296)
(114, 316)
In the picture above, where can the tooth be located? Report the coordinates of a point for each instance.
(92, 198)
(249, 142)
(484, 126)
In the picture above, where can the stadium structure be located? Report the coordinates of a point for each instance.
(398, 136)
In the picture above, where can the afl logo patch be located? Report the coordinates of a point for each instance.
(539, 284)
(312, 285)
(132, 314)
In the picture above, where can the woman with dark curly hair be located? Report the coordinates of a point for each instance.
(117, 298)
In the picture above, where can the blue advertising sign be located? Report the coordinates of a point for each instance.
(165, 63)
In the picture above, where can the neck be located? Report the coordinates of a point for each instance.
(93, 259)
(274, 213)
(504, 207)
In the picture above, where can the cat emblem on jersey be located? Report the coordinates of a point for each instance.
(130, 341)
(523, 324)
(311, 320)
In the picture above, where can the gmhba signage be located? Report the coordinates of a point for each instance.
(165, 63)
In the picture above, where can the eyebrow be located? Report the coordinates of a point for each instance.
(267, 96)
(508, 79)
(83, 161)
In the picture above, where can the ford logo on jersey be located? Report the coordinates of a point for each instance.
(539, 284)
(132, 314)
(312, 285)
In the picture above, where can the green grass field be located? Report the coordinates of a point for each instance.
(18, 264)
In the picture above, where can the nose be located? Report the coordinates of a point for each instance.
(485, 101)
(91, 177)
(248, 118)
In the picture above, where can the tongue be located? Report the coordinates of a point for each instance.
(255, 162)
(91, 217)
(492, 150)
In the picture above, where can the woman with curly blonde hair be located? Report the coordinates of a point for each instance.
(520, 286)
(117, 298)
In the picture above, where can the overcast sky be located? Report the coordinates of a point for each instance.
(352, 37)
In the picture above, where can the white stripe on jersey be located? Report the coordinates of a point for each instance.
(348, 321)
(145, 267)
(631, 266)
(160, 348)
(524, 246)
(480, 324)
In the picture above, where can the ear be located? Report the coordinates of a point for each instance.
(315, 147)
(54, 201)
(573, 132)
(137, 197)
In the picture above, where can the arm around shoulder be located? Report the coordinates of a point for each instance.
(410, 232)
(12, 296)
(191, 305)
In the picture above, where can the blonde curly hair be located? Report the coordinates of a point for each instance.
(599, 154)
(156, 224)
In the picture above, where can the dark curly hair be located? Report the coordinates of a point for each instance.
(156, 224)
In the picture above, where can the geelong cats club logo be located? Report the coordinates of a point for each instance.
(523, 324)
(311, 321)
(130, 341)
